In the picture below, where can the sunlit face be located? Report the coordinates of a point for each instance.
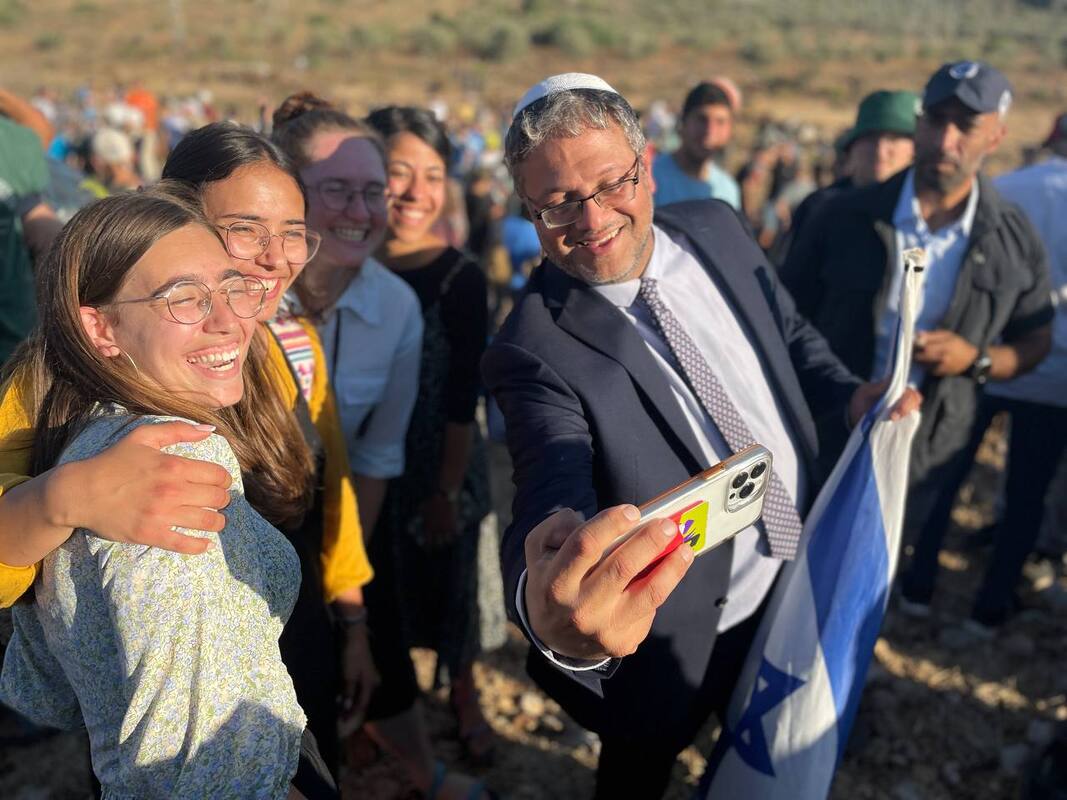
(201, 362)
(877, 156)
(604, 245)
(349, 235)
(706, 130)
(265, 194)
(418, 179)
(951, 142)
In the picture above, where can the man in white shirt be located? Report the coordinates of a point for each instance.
(637, 354)
(692, 172)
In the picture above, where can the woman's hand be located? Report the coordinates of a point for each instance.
(359, 677)
(132, 492)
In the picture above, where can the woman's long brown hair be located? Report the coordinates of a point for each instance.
(87, 266)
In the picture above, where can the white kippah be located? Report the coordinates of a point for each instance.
(561, 83)
(112, 146)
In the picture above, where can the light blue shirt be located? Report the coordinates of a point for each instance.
(372, 340)
(1041, 191)
(674, 186)
(945, 249)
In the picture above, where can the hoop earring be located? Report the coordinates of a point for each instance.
(132, 362)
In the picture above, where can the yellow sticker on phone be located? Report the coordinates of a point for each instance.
(692, 522)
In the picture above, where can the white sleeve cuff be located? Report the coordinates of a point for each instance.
(566, 662)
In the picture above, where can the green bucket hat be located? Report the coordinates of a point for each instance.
(885, 112)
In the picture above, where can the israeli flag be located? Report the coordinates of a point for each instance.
(796, 698)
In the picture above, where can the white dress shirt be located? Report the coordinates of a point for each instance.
(372, 340)
(713, 326)
(707, 317)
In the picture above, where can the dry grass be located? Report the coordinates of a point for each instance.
(807, 59)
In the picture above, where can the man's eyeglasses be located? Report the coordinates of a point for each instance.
(336, 195)
(609, 197)
(189, 302)
(249, 240)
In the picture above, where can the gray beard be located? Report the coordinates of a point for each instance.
(934, 181)
(595, 280)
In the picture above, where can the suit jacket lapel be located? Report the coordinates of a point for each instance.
(597, 323)
(742, 290)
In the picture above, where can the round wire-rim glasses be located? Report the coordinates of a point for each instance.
(337, 195)
(249, 240)
(190, 302)
(613, 196)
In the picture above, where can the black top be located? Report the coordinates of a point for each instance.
(465, 313)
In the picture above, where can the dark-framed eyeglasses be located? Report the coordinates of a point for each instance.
(613, 196)
(249, 240)
(189, 302)
(337, 195)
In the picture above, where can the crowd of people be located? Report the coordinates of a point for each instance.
(251, 371)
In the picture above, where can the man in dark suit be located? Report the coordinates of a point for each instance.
(642, 353)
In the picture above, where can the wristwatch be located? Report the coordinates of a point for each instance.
(979, 370)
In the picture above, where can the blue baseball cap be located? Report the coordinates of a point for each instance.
(977, 85)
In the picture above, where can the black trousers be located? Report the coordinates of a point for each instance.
(313, 777)
(640, 769)
(1037, 443)
(399, 686)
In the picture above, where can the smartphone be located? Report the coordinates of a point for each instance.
(713, 506)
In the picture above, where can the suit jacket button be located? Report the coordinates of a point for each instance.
(722, 601)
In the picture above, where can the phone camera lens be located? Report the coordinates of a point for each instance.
(759, 469)
(739, 481)
(747, 490)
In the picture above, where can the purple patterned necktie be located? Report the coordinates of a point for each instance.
(780, 522)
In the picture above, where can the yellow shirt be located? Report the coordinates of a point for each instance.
(16, 443)
(344, 559)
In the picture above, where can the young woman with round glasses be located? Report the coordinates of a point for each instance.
(253, 195)
(170, 661)
(371, 323)
(249, 191)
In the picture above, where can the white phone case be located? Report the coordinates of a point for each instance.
(719, 503)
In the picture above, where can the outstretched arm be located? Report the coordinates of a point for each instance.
(578, 603)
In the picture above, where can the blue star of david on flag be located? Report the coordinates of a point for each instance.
(785, 732)
(771, 688)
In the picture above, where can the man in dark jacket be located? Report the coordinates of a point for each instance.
(986, 312)
(637, 353)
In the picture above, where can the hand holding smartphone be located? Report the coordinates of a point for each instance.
(711, 507)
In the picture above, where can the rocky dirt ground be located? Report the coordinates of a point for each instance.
(945, 714)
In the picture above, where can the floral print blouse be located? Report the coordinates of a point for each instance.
(171, 662)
